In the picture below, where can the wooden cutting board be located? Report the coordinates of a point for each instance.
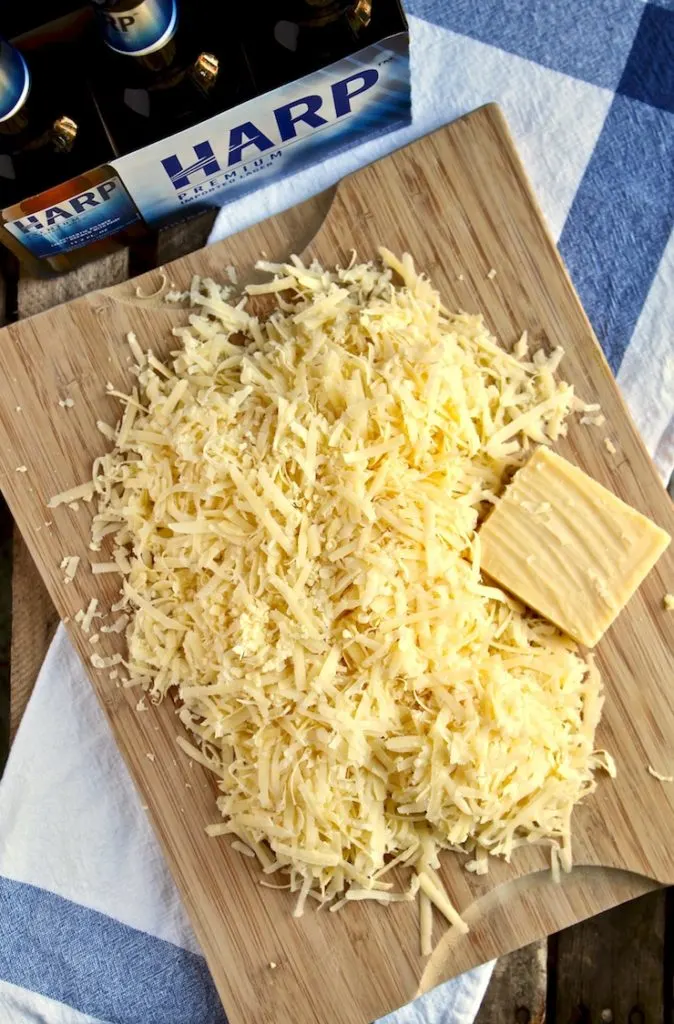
(458, 200)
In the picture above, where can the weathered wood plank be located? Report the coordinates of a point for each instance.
(34, 622)
(182, 238)
(37, 294)
(610, 968)
(5, 574)
(517, 991)
(34, 618)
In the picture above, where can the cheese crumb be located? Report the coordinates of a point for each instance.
(98, 661)
(491, 275)
(609, 446)
(668, 602)
(22, 469)
(658, 776)
(593, 421)
(66, 403)
(70, 564)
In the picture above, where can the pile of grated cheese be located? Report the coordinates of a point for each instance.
(293, 502)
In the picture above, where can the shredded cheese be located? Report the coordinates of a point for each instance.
(86, 618)
(70, 565)
(658, 776)
(293, 503)
(99, 568)
(82, 491)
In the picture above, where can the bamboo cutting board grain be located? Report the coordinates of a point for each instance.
(459, 202)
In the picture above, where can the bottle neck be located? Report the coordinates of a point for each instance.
(356, 13)
(14, 89)
(360, 15)
(322, 12)
(204, 72)
(63, 134)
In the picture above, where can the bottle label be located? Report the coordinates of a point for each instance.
(14, 80)
(76, 220)
(142, 29)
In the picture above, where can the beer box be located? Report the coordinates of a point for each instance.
(261, 140)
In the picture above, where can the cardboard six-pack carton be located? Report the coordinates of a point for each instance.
(266, 138)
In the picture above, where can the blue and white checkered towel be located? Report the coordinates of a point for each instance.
(91, 927)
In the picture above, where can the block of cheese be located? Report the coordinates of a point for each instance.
(567, 547)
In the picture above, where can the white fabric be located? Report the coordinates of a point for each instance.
(20, 1006)
(72, 821)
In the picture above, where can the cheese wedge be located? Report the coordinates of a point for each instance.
(567, 547)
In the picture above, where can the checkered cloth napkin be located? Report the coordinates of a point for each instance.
(91, 927)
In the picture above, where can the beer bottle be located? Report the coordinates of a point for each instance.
(310, 35)
(50, 203)
(39, 138)
(159, 77)
(14, 89)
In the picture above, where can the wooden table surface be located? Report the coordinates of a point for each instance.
(617, 967)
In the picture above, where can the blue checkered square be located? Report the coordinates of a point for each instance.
(649, 72)
(621, 220)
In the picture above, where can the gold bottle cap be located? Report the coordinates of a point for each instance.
(205, 71)
(63, 134)
(360, 15)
